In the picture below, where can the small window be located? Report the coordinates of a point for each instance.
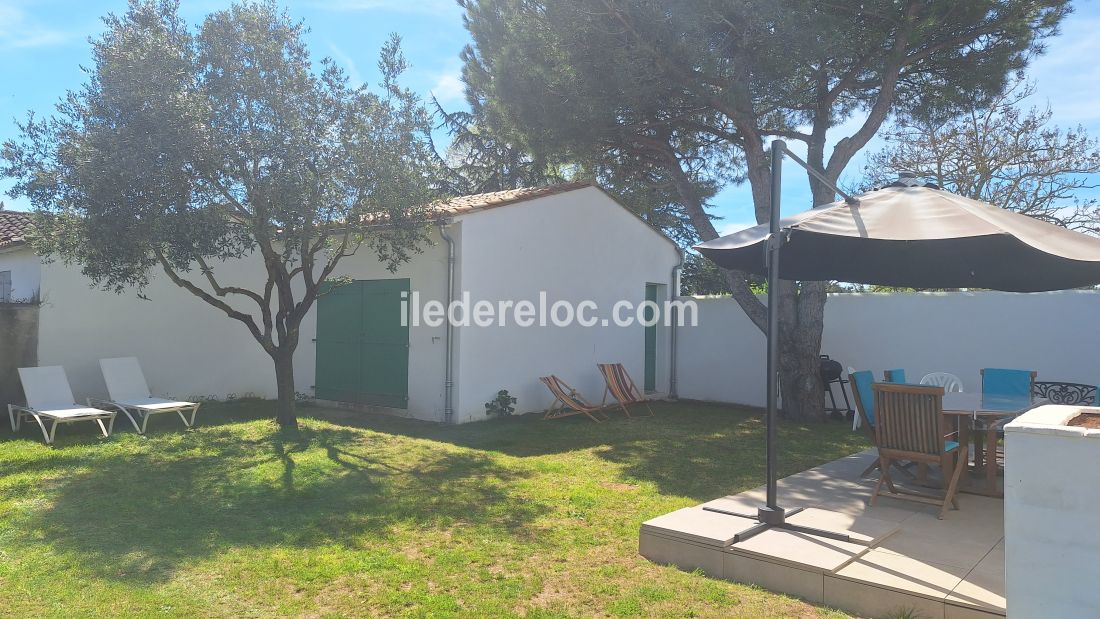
(5, 286)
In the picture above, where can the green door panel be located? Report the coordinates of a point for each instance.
(650, 382)
(338, 323)
(384, 372)
(362, 345)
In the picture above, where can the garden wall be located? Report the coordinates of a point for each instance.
(18, 348)
(1055, 333)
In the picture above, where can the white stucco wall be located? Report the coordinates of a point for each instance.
(575, 246)
(188, 348)
(26, 273)
(1053, 333)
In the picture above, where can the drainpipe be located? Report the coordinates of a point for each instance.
(674, 290)
(448, 380)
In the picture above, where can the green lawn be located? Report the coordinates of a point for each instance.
(365, 515)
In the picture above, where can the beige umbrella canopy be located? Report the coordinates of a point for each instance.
(919, 237)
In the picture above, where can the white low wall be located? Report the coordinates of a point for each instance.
(1051, 510)
(1056, 334)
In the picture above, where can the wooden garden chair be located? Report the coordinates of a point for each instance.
(910, 425)
(863, 395)
(621, 387)
(568, 402)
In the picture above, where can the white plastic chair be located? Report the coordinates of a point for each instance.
(130, 394)
(949, 382)
(50, 399)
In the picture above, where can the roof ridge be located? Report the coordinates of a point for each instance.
(479, 201)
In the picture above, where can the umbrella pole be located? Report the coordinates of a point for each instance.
(771, 515)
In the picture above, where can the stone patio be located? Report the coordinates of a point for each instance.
(900, 557)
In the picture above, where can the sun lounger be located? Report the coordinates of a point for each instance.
(129, 394)
(50, 401)
(568, 402)
(621, 387)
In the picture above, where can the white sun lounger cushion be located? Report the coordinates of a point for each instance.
(154, 404)
(124, 378)
(47, 389)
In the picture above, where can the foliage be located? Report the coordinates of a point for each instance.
(371, 515)
(502, 405)
(479, 159)
(700, 276)
(690, 92)
(186, 151)
(1001, 154)
(482, 157)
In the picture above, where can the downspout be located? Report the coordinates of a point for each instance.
(448, 380)
(674, 290)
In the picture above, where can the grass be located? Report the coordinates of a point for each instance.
(371, 515)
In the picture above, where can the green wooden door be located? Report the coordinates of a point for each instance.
(650, 382)
(362, 345)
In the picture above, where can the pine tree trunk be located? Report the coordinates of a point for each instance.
(801, 323)
(284, 380)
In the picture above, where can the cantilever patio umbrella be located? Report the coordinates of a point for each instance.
(903, 235)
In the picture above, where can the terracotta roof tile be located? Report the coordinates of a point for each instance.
(13, 225)
(482, 201)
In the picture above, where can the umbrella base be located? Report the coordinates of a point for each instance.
(776, 518)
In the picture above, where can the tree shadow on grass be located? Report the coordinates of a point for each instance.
(692, 449)
(140, 514)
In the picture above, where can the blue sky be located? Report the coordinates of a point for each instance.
(44, 42)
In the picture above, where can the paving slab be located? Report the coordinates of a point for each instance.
(698, 525)
(984, 587)
(861, 529)
(807, 552)
(904, 574)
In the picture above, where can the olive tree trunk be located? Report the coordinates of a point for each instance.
(285, 413)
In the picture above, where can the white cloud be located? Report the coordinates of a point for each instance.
(19, 30)
(1066, 77)
(348, 63)
(449, 88)
(734, 226)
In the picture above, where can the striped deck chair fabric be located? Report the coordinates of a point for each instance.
(567, 401)
(621, 387)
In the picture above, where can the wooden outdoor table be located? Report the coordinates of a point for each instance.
(968, 408)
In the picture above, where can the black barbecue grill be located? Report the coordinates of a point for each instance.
(832, 373)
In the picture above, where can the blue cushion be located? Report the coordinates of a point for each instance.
(862, 381)
(950, 446)
(1006, 389)
(895, 376)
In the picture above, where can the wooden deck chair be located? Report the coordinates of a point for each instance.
(910, 425)
(129, 394)
(568, 402)
(50, 399)
(863, 395)
(621, 387)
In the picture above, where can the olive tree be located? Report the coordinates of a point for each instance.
(187, 151)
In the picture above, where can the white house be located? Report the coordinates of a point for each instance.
(569, 243)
